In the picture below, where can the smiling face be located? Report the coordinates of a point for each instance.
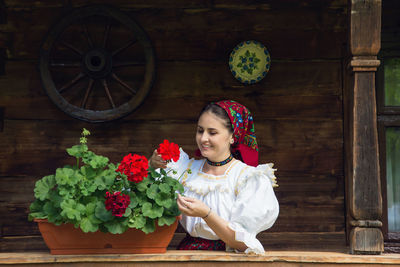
(213, 138)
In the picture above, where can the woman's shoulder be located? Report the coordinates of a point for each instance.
(262, 171)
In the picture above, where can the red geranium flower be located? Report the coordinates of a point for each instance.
(169, 151)
(134, 167)
(117, 203)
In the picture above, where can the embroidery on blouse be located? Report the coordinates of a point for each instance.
(185, 176)
(240, 175)
(213, 177)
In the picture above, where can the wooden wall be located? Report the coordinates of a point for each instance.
(297, 107)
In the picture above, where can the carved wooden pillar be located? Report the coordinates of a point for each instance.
(364, 193)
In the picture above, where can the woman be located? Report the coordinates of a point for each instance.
(228, 198)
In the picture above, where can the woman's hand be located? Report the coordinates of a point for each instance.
(156, 161)
(192, 207)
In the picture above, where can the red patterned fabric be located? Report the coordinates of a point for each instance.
(245, 145)
(198, 243)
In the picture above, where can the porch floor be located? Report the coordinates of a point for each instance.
(201, 258)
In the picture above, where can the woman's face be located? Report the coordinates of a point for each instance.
(213, 138)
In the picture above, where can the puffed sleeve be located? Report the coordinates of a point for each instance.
(256, 207)
(180, 166)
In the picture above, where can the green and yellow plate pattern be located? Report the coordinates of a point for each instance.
(249, 62)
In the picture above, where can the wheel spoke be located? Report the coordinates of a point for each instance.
(84, 101)
(73, 48)
(86, 32)
(106, 33)
(130, 89)
(129, 63)
(72, 82)
(108, 93)
(66, 64)
(119, 50)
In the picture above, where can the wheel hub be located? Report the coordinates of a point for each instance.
(97, 63)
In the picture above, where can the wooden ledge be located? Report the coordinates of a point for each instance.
(175, 257)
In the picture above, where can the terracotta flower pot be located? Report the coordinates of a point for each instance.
(66, 239)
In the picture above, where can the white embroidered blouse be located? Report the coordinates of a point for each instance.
(243, 196)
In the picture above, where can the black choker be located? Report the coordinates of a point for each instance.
(220, 163)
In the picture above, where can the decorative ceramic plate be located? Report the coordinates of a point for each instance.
(249, 62)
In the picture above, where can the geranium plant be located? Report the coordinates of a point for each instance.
(95, 194)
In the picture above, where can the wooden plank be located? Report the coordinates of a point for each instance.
(308, 241)
(26, 141)
(187, 34)
(1, 119)
(307, 78)
(186, 108)
(309, 162)
(160, 4)
(22, 243)
(280, 257)
(277, 97)
(194, 45)
(204, 258)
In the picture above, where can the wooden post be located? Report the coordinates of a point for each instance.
(364, 193)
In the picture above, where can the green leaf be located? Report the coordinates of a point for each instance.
(105, 179)
(152, 211)
(172, 211)
(95, 161)
(87, 188)
(91, 222)
(55, 198)
(134, 200)
(154, 174)
(128, 212)
(164, 200)
(165, 188)
(51, 211)
(44, 186)
(66, 176)
(137, 222)
(102, 213)
(142, 186)
(77, 151)
(66, 191)
(90, 208)
(163, 172)
(149, 227)
(152, 191)
(36, 210)
(166, 220)
(117, 226)
(88, 226)
(72, 210)
(175, 184)
(88, 172)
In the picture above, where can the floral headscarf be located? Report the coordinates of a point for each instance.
(245, 145)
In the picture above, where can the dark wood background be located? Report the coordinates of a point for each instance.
(297, 107)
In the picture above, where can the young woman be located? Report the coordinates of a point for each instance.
(229, 198)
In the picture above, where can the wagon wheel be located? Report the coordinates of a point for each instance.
(97, 64)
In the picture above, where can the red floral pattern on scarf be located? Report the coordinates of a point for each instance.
(245, 142)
